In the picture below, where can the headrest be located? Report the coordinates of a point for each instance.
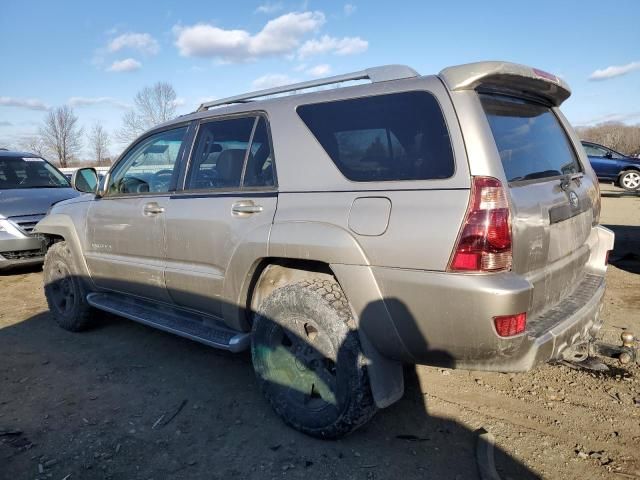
(229, 165)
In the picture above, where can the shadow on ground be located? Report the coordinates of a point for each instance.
(124, 401)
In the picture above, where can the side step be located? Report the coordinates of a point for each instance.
(199, 328)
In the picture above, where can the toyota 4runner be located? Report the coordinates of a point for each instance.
(447, 220)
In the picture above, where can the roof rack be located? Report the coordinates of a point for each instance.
(376, 74)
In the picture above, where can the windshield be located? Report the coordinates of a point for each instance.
(530, 139)
(29, 172)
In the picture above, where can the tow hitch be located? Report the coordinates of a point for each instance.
(587, 354)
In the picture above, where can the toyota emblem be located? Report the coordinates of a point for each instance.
(573, 199)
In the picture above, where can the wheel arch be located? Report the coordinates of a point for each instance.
(60, 227)
(385, 374)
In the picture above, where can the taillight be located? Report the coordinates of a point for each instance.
(484, 243)
(510, 325)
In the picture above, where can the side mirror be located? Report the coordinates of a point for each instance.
(85, 180)
(608, 155)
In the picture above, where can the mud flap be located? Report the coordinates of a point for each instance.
(385, 376)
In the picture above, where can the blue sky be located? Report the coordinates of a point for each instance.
(97, 55)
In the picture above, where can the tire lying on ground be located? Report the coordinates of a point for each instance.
(308, 360)
(64, 289)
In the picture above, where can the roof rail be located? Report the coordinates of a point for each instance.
(375, 74)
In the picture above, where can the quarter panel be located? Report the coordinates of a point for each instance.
(422, 229)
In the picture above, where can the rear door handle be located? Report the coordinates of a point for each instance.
(244, 207)
(152, 209)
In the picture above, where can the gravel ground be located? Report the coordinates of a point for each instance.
(123, 401)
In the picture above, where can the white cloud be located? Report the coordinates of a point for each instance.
(271, 80)
(28, 103)
(614, 71)
(4, 123)
(141, 42)
(91, 101)
(338, 46)
(179, 102)
(611, 118)
(319, 70)
(279, 36)
(126, 65)
(269, 7)
(349, 9)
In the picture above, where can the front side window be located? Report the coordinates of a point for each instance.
(149, 166)
(29, 172)
(399, 136)
(531, 142)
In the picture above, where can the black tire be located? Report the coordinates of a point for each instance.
(308, 360)
(630, 180)
(64, 290)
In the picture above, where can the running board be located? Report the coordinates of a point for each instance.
(193, 326)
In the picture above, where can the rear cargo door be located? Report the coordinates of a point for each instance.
(552, 198)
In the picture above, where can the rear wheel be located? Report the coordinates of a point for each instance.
(630, 180)
(308, 360)
(64, 289)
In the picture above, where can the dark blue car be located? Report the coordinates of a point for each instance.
(613, 166)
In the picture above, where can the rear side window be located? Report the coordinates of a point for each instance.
(223, 159)
(400, 136)
(530, 139)
(219, 153)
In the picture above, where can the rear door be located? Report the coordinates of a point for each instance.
(551, 195)
(224, 212)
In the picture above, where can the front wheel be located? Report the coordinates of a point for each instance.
(630, 180)
(309, 362)
(64, 289)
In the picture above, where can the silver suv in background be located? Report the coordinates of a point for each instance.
(29, 186)
(448, 220)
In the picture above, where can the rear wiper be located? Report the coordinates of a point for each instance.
(542, 174)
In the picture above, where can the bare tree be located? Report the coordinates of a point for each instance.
(34, 144)
(152, 105)
(618, 136)
(61, 134)
(99, 144)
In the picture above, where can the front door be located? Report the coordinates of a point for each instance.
(126, 227)
(224, 212)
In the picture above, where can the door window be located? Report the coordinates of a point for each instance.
(223, 159)
(149, 166)
(260, 168)
(595, 151)
(219, 154)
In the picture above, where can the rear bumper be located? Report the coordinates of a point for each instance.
(447, 319)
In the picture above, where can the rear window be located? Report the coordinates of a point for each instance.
(530, 139)
(400, 136)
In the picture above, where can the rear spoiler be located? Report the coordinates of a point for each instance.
(509, 77)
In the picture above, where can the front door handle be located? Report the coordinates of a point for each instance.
(152, 208)
(245, 207)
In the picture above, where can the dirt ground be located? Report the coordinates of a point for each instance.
(123, 401)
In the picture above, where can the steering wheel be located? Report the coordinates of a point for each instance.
(161, 179)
